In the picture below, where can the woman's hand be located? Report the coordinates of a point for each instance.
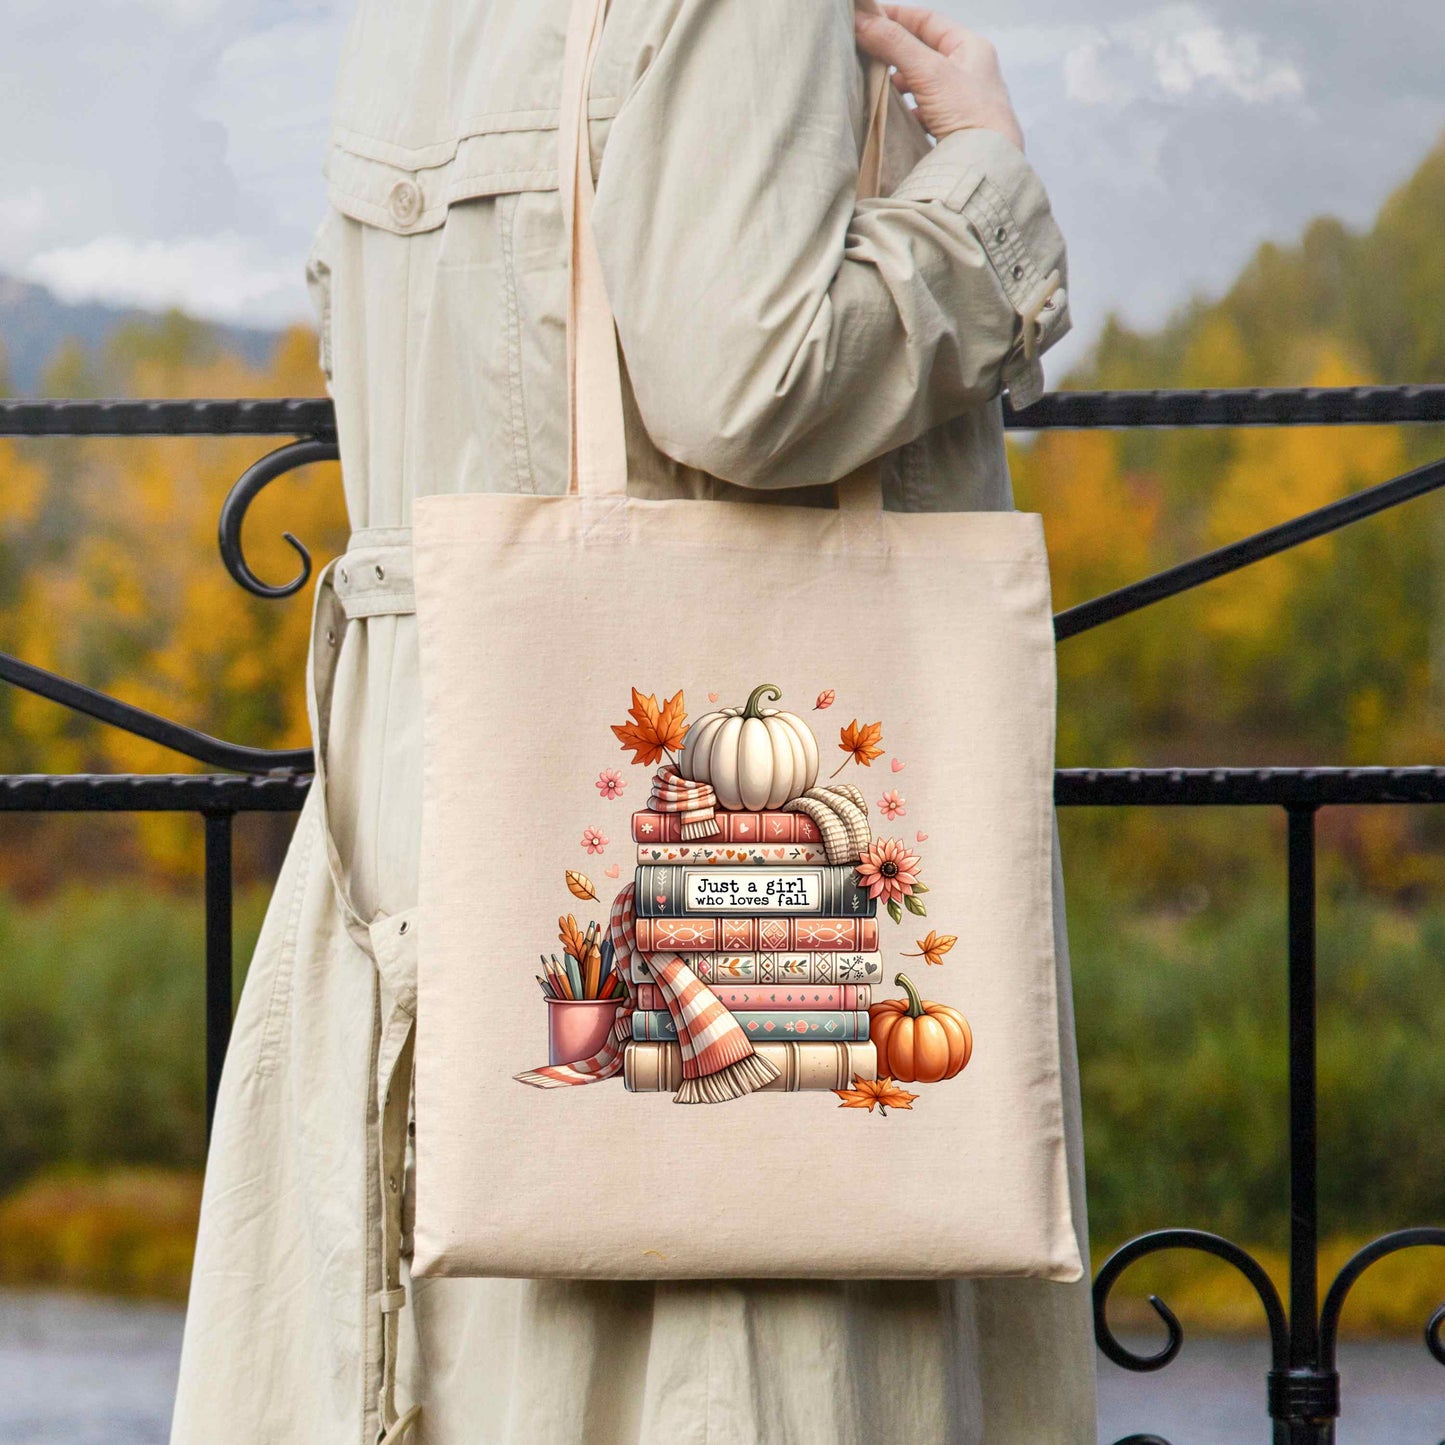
(952, 73)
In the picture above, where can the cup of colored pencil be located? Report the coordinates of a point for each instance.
(583, 991)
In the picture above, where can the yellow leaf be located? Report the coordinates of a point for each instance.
(866, 1093)
(932, 948)
(653, 730)
(580, 885)
(862, 744)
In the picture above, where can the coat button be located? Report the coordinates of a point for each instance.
(1018, 273)
(1001, 234)
(405, 202)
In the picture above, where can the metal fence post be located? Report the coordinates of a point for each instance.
(219, 975)
(1303, 1400)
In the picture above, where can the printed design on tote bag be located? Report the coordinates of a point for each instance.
(743, 952)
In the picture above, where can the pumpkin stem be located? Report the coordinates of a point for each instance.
(750, 709)
(915, 1004)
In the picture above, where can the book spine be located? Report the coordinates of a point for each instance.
(756, 935)
(732, 828)
(767, 1024)
(669, 890)
(735, 854)
(651, 1068)
(770, 997)
(820, 966)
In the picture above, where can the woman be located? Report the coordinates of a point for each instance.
(775, 336)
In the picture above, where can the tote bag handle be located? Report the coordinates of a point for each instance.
(598, 440)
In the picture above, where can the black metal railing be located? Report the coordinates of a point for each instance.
(1302, 1395)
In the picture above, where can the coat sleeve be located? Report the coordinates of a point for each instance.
(776, 332)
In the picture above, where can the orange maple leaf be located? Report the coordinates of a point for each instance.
(570, 936)
(866, 1093)
(653, 731)
(932, 948)
(861, 744)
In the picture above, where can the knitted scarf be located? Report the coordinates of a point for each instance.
(842, 818)
(672, 793)
(718, 1061)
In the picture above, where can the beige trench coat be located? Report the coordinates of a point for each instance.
(774, 335)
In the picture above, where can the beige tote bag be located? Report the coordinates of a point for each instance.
(736, 952)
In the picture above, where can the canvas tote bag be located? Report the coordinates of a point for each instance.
(735, 949)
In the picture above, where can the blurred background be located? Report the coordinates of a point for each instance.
(1253, 196)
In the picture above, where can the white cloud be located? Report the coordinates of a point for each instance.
(23, 215)
(224, 276)
(1173, 53)
(271, 93)
(180, 12)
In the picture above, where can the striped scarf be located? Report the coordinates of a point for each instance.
(718, 1062)
(672, 793)
(842, 818)
(605, 1063)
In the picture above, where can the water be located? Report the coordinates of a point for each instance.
(79, 1371)
(1392, 1392)
(76, 1371)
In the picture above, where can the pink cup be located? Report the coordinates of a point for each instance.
(578, 1028)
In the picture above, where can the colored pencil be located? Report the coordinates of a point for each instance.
(562, 978)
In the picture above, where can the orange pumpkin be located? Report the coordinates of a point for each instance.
(918, 1041)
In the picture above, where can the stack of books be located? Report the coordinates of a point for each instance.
(786, 940)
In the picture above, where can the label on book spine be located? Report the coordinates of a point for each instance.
(731, 828)
(669, 891)
(771, 996)
(757, 935)
(767, 1024)
(651, 1068)
(820, 966)
(734, 855)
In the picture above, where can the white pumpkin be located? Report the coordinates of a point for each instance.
(754, 757)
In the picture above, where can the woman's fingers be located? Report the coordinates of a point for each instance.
(886, 39)
(952, 73)
(930, 27)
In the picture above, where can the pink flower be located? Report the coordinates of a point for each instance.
(593, 841)
(610, 783)
(891, 805)
(888, 870)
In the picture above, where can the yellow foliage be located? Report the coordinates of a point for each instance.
(1282, 472)
(134, 599)
(22, 490)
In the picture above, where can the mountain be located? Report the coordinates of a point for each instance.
(34, 323)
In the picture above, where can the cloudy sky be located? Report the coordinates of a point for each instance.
(168, 151)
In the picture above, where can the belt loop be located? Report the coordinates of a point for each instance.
(373, 577)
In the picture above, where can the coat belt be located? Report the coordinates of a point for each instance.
(373, 577)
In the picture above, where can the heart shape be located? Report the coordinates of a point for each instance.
(898, 765)
(713, 696)
(613, 871)
(661, 899)
(921, 836)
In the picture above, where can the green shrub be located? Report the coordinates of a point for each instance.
(1183, 1056)
(102, 1029)
(1181, 1027)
